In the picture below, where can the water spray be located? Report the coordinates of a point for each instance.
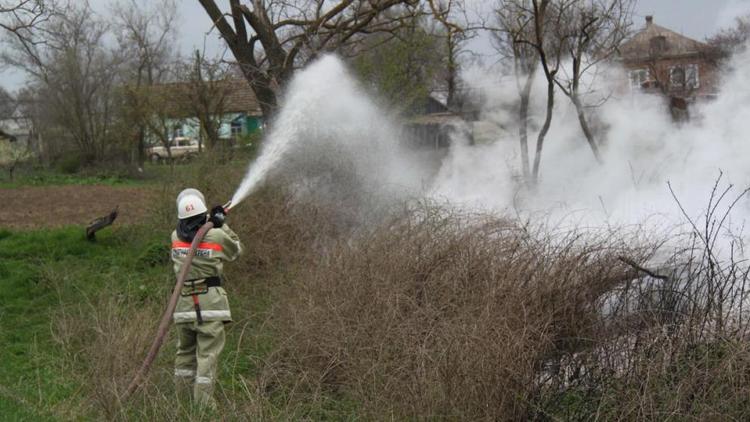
(345, 122)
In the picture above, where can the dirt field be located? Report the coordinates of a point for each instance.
(51, 206)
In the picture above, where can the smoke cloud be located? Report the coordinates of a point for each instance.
(644, 150)
(332, 141)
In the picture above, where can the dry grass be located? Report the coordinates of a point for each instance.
(447, 316)
(426, 313)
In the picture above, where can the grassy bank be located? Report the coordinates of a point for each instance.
(78, 316)
(48, 275)
(117, 174)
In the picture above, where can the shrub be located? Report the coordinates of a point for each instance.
(155, 254)
(69, 163)
(438, 315)
(428, 313)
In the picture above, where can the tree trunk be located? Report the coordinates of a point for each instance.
(141, 145)
(545, 128)
(452, 70)
(266, 96)
(523, 129)
(585, 127)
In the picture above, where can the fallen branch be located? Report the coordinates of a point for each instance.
(99, 224)
(642, 269)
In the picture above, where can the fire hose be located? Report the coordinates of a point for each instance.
(166, 319)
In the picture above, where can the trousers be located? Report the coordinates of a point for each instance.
(198, 349)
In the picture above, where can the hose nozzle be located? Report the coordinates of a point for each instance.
(227, 206)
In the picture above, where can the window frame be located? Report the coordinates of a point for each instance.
(690, 76)
(644, 75)
(235, 130)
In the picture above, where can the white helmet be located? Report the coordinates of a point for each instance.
(190, 202)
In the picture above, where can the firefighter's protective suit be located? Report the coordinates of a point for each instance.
(200, 342)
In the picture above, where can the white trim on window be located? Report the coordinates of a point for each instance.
(638, 77)
(684, 76)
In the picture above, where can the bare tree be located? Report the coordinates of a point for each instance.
(527, 28)
(590, 32)
(8, 104)
(547, 14)
(155, 110)
(733, 40)
(511, 36)
(541, 35)
(207, 92)
(147, 38)
(451, 14)
(76, 75)
(270, 39)
(19, 18)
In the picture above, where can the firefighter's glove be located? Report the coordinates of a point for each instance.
(217, 216)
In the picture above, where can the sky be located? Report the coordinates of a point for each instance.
(695, 18)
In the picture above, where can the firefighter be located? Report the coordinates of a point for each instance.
(203, 308)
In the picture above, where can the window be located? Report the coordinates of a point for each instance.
(692, 77)
(237, 126)
(638, 78)
(684, 77)
(236, 129)
(658, 44)
(677, 77)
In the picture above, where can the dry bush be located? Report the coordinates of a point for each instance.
(425, 313)
(102, 338)
(448, 316)
(675, 343)
(281, 235)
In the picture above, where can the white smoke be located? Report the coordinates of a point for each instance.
(643, 151)
(329, 122)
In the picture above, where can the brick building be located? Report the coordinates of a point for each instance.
(659, 60)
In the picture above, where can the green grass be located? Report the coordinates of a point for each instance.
(119, 175)
(52, 178)
(48, 273)
(40, 272)
(36, 176)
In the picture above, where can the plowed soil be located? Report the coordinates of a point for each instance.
(54, 206)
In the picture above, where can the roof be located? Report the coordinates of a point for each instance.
(655, 40)
(240, 97)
